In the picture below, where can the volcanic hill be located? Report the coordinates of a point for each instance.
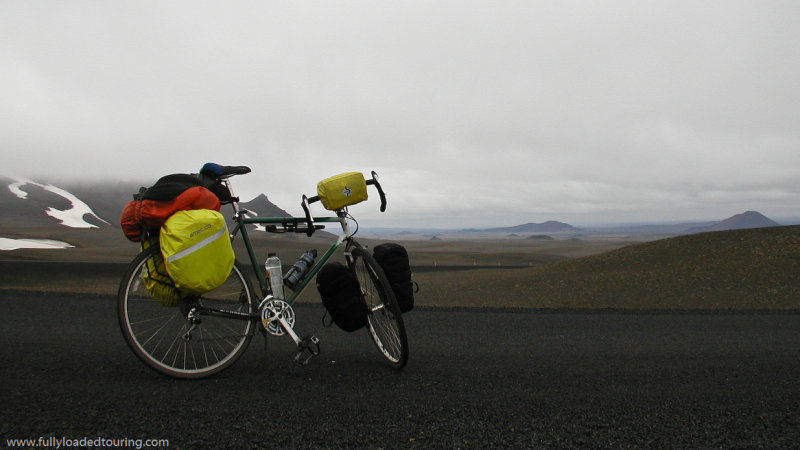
(753, 269)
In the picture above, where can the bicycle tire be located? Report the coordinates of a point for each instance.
(384, 320)
(155, 333)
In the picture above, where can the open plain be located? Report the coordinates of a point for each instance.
(752, 269)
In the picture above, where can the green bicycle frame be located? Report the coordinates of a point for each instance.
(287, 224)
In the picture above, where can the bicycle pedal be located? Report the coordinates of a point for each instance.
(307, 348)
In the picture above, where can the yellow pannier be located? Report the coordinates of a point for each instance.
(197, 250)
(342, 190)
(156, 280)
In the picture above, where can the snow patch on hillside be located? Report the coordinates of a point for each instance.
(72, 217)
(15, 189)
(258, 227)
(14, 244)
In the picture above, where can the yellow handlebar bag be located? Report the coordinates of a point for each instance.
(342, 190)
(197, 250)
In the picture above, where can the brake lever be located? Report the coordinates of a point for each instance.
(309, 219)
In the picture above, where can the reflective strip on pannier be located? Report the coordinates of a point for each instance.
(197, 250)
(342, 190)
(196, 247)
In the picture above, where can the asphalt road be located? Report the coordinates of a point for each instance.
(474, 380)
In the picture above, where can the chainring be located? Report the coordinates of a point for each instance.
(272, 311)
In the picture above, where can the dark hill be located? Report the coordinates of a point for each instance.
(753, 268)
(262, 207)
(748, 219)
(31, 210)
(551, 226)
(31, 202)
(743, 221)
(106, 198)
(749, 269)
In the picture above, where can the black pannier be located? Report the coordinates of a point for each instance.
(393, 259)
(341, 295)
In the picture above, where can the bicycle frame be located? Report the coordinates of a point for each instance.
(293, 224)
(287, 224)
(305, 224)
(308, 346)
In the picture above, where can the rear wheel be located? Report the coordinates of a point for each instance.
(184, 341)
(384, 320)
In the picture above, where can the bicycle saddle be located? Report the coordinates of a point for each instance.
(218, 171)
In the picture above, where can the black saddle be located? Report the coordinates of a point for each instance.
(219, 172)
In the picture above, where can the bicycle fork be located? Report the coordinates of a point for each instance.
(278, 319)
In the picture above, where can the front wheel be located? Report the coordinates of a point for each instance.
(384, 320)
(182, 339)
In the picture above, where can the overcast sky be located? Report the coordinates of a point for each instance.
(473, 113)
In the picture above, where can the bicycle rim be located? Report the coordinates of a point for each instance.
(168, 342)
(384, 320)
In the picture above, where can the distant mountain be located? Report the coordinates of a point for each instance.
(107, 198)
(748, 219)
(81, 204)
(26, 202)
(745, 220)
(262, 207)
(551, 226)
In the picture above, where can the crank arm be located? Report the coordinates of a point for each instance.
(307, 347)
(288, 328)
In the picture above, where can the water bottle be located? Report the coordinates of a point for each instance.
(274, 272)
(299, 269)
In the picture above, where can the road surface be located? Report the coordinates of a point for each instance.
(474, 380)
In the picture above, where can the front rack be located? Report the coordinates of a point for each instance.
(292, 225)
(287, 224)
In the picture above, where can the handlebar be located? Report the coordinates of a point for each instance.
(374, 182)
(308, 200)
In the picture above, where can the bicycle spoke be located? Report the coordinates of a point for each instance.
(385, 324)
(158, 334)
(157, 330)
